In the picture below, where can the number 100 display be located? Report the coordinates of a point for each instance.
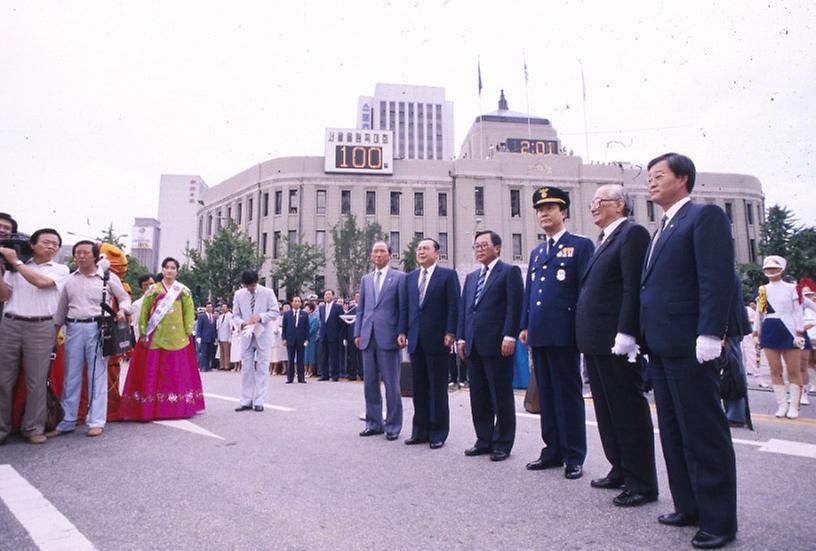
(358, 157)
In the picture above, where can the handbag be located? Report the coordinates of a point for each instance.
(116, 336)
(531, 404)
(54, 411)
(732, 383)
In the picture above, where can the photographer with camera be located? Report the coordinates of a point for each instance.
(82, 311)
(31, 293)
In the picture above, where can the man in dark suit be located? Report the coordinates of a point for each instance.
(606, 326)
(205, 338)
(429, 300)
(489, 313)
(375, 334)
(548, 327)
(685, 295)
(329, 335)
(295, 337)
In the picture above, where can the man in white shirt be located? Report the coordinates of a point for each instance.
(223, 328)
(31, 294)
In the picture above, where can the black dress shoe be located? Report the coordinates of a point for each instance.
(323, 379)
(633, 499)
(258, 408)
(391, 436)
(289, 382)
(370, 432)
(541, 464)
(436, 445)
(471, 452)
(607, 483)
(302, 382)
(678, 519)
(499, 455)
(414, 441)
(335, 379)
(705, 540)
(243, 408)
(573, 472)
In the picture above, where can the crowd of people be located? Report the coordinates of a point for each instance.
(662, 308)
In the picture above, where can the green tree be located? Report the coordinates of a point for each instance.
(109, 235)
(216, 274)
(299, 267)
(752, 277)
(802, 254)
(779, 227)
(408, 261)
(352, 249)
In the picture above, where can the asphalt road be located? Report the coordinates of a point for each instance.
(300, 477)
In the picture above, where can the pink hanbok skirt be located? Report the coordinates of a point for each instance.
(162, 384)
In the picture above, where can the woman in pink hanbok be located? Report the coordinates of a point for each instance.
(163, 380)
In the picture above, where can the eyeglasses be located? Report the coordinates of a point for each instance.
(481, 246)
(595, 203)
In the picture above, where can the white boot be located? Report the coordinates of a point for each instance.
(793, 410)
(781, 400)
(804, 401)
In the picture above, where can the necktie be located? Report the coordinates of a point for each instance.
(297, 317)
(377, 283)
(252, 302)
(423, 282)
(328, 310)
(480, 285)
(600, 239)
(550, 245)
(656, 237)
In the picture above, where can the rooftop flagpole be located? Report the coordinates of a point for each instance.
(481, 120)
(527, 95)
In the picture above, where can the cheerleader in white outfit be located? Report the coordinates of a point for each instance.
(806, 288)
(781, 334)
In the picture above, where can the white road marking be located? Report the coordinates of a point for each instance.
(183, 424)
(232, 399)
(48, 528)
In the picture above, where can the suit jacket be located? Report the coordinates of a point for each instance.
(484, 325)
(332, 328)
(436, 317)
(292, 333)
(609, 300)
(266, 305)
(548, 310)
(205, 328)
(380, 318)
(687, 289)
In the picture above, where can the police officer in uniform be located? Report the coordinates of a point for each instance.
(548, 327)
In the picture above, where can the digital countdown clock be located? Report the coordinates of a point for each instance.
(532, 146)
(359, 151)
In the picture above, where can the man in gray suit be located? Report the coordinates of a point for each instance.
(375, 333)
(254, 308)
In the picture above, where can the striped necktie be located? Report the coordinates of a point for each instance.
(656, 237)
(480, 285)
(377, 283)
(423, 283)
(252, 302)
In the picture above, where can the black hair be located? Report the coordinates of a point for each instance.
(144, 278)
(47, 231)
(170, 259)
(309, 306)
(248, 277)
(680, 165)
(328, 290)
(384, 242)
(432, 240)
(94, 248)
(12, 221)
(495, 238)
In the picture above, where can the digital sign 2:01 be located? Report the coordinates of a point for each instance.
(361, 157)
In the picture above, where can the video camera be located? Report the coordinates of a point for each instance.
(21, 245)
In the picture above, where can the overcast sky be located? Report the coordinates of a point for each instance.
(100, 98)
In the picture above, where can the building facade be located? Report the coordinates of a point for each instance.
(419, 117)
(145, 242)
(450, 201)
(180, 198)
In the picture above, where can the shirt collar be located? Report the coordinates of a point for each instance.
(491, 265)
(608, 230)
(383, 271)
(676, 207)
(557, 237)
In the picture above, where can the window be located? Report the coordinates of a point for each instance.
(321, 201)
(418, 235)
(443, 245)
(320, 239)
(266, 204)
(345, 201)
(749, 212)
(276, 237)
(394, 241)
(229, 213)
(517, 255)
(540, 237)
(752, 253)
(278, 202)
(650, 212)
(729, 212)
(395, 203)
(209, 224)
(263, 243)
(515, 203)
(200, 227)
(293, 201)
(371, 202)
(291, 240)
(479, 199)
(238, 213)
(419, 204)
(218, 220)
(249, 209)
(443, 204)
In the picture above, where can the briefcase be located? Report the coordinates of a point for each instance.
(116, 336)
(531, 396)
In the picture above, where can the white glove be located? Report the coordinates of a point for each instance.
(626, 345)
(799, 342)
(198, 340)
(708, 348)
